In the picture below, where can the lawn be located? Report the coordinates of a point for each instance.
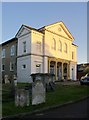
(62, 94)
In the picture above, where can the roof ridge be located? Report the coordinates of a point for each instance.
(50, 24)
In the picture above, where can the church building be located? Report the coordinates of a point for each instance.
(49, 49)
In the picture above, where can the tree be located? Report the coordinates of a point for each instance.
(86, 70)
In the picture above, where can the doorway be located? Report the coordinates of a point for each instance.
(59, 70)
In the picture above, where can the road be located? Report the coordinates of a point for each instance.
(75, 110)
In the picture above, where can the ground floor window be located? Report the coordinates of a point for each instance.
(38, 68)
(11, 66)
(24, 66)
(3, 67)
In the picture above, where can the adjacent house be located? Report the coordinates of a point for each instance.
(49, 49)
(0, 64)
(9, 61)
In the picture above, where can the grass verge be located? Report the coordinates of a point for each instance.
(61, 95)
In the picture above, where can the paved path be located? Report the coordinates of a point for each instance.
(75, 110)
(68, 83)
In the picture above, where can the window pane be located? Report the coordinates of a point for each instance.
(24, 46)
(3, 53)
(65, 48)
(72, 55)
(23, 66)
(38, 68)
(38, 46)
(11, 66)
(3, 67)
(12, 50)
(54, 44)
(60, 45)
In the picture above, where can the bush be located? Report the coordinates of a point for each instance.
(86, 70)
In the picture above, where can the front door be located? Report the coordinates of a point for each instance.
(65, 70)
(52, 69)
(59, 72)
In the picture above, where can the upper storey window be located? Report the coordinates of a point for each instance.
(60, 46)
(72, 55)
(54, 44)
(12, 50)
(65, 48)
(38, 46)
(3, 53)
(24, 46)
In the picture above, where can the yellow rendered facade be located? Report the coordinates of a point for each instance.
(61, 52)
(50, 50)
(59, 33)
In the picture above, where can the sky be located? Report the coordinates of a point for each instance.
(37, 14)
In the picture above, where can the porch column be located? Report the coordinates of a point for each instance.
(62, 71)
(68, 71)
(56, 71)
(49, 66)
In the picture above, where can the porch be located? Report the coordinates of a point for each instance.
(61, 68)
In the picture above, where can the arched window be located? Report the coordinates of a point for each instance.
(54, 44)
(72, 55)
(60, 46)
(65, 48)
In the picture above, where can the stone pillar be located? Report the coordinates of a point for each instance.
(62, 71)
(45, 65)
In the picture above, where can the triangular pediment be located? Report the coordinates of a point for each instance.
(60, 29)
(23, 31)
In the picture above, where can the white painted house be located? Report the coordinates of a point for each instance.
(49, 49)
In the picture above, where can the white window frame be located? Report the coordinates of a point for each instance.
(24, 67)
(12, 52)
(11, 68)
(3, 53)
(38, 68)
